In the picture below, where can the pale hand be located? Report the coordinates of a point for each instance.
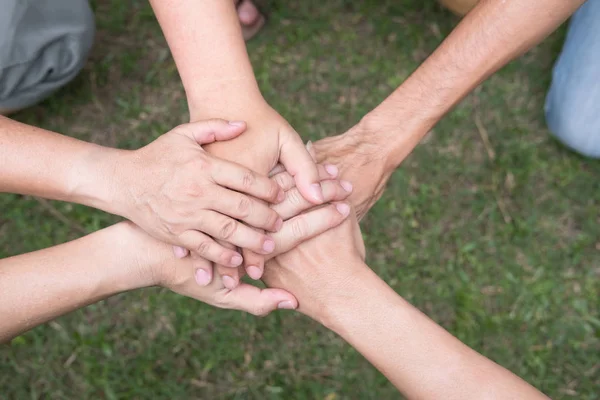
(360, 161)
(269, 139)
(293, 205)
(320, 269)
(157, 264)
(184, 196)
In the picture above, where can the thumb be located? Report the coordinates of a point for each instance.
(259, 301)
(298, 162)
(211, 130)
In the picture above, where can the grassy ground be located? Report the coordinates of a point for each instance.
(503, 251)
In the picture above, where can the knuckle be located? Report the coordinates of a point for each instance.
(203, 248)
(224, 259)
(228, 229)
(193, 189)
(272, 219)
(295, 198)
(248, 179)
(334, 217)
(299, 228)
(272, 191)
(244, 206)
(280, 180)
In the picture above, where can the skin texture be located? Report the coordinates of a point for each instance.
(171, 188)
(40, 286)
(289, 210)
(334, 286)
(221, 84)
(492, 34)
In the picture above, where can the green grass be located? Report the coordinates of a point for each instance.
(504, 253)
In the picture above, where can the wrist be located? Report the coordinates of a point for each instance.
(365, 295)
(340, 306)
(127, 267)
(231, 100)
(141, 257)
(96, 179)
(395, 137)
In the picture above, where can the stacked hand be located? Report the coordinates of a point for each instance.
(208, 207)
(182, 195)
(205, 187)
(187, 276)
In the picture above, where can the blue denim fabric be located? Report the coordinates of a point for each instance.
(573, 101)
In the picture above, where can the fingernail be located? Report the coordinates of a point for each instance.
(343, 208)
(228, 282)
(202, 277)
(269, 246)
(280, 196)
(254, 272)
(346, 185)
(236, 123)
(278, 224)
(316, 191)
(309, 145)
(236, 260)
(179, 252)
(331, 170)
(287, 305)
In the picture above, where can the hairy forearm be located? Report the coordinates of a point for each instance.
(491, 35)
(206, 42)
(45, 284)
(418, 356)
(41, 163)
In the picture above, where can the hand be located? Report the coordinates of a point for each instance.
(269, 139)
(157, 265)
(293, 205)
(182, 195)
(361, 160)
(320, 269)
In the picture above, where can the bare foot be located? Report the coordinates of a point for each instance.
(250, 18)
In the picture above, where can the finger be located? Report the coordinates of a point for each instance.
(298, 162)
(208, 131)
(205, 247)
(309, 225)
(295, 204)
(277, 169)
(259, 301)
(280, 168)
(224, 228)
(286, 181)
(239, 206)
(180, 252)
(254, 264)
(203, 270)
(243, 180)
(230, 277)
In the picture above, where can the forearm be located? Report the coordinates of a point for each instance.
(41, 163)
(418, 356)
(45, 284)
(491, 35)
(206, 42)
